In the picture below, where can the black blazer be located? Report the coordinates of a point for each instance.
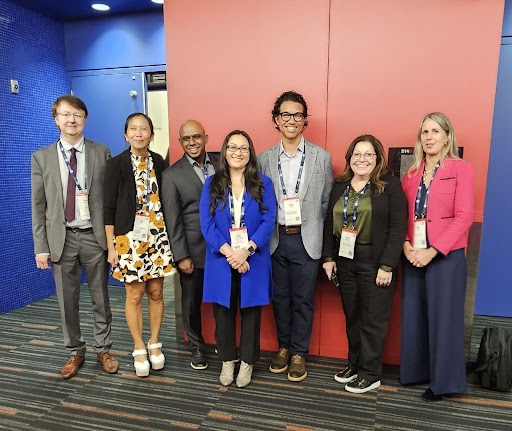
(389, 222)
(119, 198)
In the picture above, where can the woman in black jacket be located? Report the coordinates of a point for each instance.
(363, 236)
(138, 245)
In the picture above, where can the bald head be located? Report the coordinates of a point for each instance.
(193, 139)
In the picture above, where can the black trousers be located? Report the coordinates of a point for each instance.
(225, 319)
(191, 300)
(294, 276)
(367, 310)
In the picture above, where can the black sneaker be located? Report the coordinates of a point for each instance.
(346, 375)
(360, 386)
(429, 396)
(280, 362)
(199, 361)
(297, 371)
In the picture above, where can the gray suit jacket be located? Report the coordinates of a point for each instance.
(181, 192)
(314, 196)
(48, 223)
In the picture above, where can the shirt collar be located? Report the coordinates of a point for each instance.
(79, 146)
(194, 163)
(301, 147)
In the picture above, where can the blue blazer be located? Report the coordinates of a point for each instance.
(256, 284)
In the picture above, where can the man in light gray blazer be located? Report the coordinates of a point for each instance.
(68, 228)
(302, 177)
(182, 184)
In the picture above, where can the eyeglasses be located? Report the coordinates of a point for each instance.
(66, 115)
(233, 149)
(195, 138)
(297, 116)
(367, 156)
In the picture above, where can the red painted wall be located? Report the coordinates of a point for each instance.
(364, 67)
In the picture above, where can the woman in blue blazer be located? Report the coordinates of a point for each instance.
(238, 214)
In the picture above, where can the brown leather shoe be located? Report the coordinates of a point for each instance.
(109, 363)
(71, 367)
(297, 371)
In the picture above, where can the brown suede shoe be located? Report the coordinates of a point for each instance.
(297, 371)
(71, 367)
(110, 364)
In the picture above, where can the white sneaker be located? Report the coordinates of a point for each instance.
(141, 367)
(244, 375)
(227, 375)
(157, 361)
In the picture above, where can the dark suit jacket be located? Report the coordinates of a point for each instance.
(389, 223)
(180, 199)
(48, 224)
(119, 191)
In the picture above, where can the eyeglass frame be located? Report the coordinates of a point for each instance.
(75, 116)
(302, 115)
(243, 150)
(364, 155)
(195, 137)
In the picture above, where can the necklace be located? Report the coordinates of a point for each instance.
(425, 173)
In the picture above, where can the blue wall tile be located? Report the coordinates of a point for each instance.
(32, 52)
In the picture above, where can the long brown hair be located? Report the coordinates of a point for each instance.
(381, 166)
(222, 179)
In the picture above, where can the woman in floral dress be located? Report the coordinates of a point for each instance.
(138, 245)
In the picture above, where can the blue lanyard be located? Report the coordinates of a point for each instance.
(232, 210)
(71, 172)
(138, 206)
(423, 214)
(298, 177)
(356, 203)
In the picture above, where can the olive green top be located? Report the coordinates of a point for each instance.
(364, 215)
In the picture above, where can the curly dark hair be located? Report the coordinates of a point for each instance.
(381, 166)
(289, 96)
(222, 179)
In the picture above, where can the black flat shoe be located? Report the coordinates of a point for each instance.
(429, 396)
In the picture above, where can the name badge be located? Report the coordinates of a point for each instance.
(239, 238)
(292, 216)
(83, 205)
(347, 243)
(420, 233)
(141, 228)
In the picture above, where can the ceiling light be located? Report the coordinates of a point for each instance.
(158, 1)
(101, 7)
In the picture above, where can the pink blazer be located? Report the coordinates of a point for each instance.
(450, 205)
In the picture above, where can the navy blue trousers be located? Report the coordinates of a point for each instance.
(433, 300)
(294, 275)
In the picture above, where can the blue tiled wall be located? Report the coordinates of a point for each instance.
(32, 52)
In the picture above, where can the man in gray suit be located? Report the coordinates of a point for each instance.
(302, 177)
(68, 228)
(182, 184)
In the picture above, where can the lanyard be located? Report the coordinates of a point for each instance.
(138, 206)
(356, 203)
(232, 210)
(299, 176)
(71, 172)
(423, 214)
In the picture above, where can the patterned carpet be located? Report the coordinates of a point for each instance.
(33, 396)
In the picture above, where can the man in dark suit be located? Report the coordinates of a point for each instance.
(302, 177)
(182, 184)
(68, 228)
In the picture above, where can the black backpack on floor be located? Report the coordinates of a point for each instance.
(494, 363)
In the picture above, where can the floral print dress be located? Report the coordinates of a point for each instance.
(142, 260)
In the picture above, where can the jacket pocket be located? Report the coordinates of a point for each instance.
(447, 185)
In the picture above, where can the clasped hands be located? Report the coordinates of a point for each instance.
(419, 257)
(237, 259)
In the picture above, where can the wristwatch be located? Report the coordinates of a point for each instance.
(251, 250)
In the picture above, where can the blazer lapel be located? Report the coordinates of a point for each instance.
(311, 154)
(54, 169)
(190, 172)
(274, 172)
(90, 159)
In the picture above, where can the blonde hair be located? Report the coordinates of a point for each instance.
(449, 151)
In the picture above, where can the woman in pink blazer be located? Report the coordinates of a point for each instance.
(439, 191)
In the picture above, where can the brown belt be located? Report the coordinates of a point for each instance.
(78, 230)
(290, 230)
